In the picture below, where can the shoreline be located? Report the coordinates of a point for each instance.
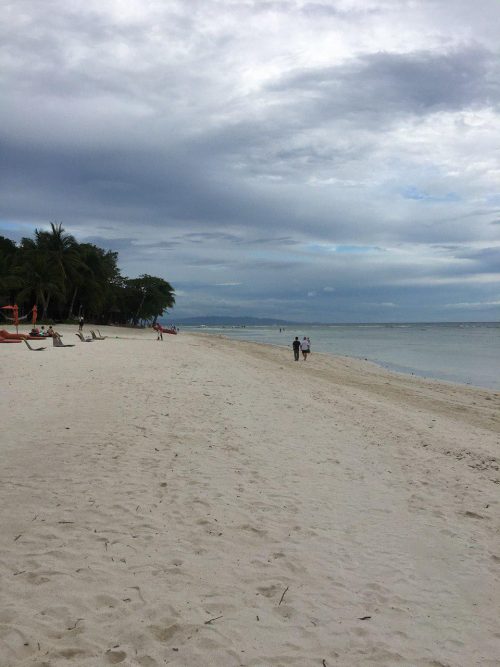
(386, 366)
(205, 500)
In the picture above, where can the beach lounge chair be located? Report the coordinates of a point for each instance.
(57, 342)
(97, 337)
(84, 340)
(35, 349)
(101, 337)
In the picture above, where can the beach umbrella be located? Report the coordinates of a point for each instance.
(15, 311)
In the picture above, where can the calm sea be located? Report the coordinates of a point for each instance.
(466, 353)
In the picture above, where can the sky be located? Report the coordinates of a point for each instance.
(331, 161)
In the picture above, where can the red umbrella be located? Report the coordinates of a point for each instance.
(15, 309)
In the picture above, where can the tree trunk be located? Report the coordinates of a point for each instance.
(136, 318)
(72, 304)
(45, 304)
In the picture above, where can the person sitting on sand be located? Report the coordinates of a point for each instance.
(51, 332)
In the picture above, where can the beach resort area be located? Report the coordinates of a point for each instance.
(203, 501)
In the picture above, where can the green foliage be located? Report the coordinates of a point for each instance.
(66, 278)
(145, 294)
(7, 254)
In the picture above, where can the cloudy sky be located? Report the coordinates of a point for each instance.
(329, 160)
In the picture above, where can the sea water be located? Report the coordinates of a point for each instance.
(467, 353)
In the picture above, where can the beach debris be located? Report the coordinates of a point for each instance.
(211, 620)
(17, 537)
(364, 618)
(283, 595)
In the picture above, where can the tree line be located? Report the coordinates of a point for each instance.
(66, 279)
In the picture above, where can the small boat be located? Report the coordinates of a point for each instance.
(167, 330)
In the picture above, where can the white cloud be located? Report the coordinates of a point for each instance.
(477, 304)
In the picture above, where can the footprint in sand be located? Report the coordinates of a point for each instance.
(163, 634)
(69, 653)
(147, 661)
(252, 529)
(115, 657)
(269, 591)
(36, 579)
(102, 601)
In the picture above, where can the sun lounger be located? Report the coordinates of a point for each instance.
(84, 340)
(57, 342)
(99, 337)
(34, 349)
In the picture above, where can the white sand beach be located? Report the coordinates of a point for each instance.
(201, 501)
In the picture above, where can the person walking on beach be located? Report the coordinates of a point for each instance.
(304, 346)
(296, 348)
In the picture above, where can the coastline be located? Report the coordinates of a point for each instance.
(206, 500)
(466, 355)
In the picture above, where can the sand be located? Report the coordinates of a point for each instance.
(201, 501)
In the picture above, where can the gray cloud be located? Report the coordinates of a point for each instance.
(383, 84)
(166, 131)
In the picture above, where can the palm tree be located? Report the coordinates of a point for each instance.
(101, 277)
(37, 276)
(63, 251)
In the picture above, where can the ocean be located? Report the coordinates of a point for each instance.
(466, 353)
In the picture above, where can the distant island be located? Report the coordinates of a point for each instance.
(231, 321)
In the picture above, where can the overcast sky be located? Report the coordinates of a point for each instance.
(333, 161)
